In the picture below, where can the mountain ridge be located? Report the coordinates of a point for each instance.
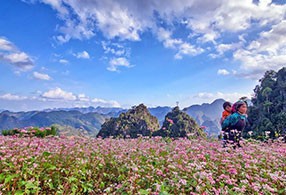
(91, 118)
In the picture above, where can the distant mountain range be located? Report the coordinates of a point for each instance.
(160, 112)
(91, 122)
(207, 115)
(90, 119)
(84, 110)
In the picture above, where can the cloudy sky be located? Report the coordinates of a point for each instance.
(65, 53)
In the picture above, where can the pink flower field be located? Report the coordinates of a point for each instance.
(75, 165)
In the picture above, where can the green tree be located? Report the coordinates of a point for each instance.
(268, 112)
(179, 124)
(136, 121)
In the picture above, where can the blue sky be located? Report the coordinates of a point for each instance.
(64, 53)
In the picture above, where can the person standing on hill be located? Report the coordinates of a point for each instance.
(234, 124)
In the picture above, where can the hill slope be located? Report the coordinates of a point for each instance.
(207, 115)
(136, 121)
(91, 122)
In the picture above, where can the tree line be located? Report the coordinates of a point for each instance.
(267, 114)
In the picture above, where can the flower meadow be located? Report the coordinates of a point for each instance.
(78, 165)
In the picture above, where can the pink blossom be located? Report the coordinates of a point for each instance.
(232, 171)
(159, 172)
(170, 121)
(183, 181)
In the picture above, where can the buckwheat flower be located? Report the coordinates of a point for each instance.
(232, 171)
(198, 188)
(274, 177)
(210, 178)
(183, 181)
(159, 172)
(158, 187)
(244, 181)
(119, 186)
(229, 181)
(256, 187)
(23, 131)
(170, 121)
(267, 187)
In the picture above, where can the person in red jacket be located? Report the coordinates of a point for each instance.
(227, 110)
(227, 107)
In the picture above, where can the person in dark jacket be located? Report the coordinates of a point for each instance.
(234, 124)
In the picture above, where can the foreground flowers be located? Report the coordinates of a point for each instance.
(74, 165)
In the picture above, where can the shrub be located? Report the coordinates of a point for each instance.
(31, 131)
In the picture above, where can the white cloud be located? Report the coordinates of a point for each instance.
(204, 95)
(183, 48)
(209, 97)
(223, 72)
(81, 100)
(41, 76)
(267, 52)
(57, 5)
(116, 62)
(60, 94)
(118, 22)
(206, 22)
(221, 48)
(112, 18)
(83, 55)
(187, 49)
(5, 45)
(214, 56)
(10, 54)
(118, 55)
(16, 58)
(74, 30)
(83, 97)
(21, 60)
(127, 19)
(111, 103)
(9, 96)
(63, 61)
(54, 98)
(115, 49)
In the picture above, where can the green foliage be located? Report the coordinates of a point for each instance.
(9, 132)
(32, 132)
(179, 124)
(267, 116)
(137, 121)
